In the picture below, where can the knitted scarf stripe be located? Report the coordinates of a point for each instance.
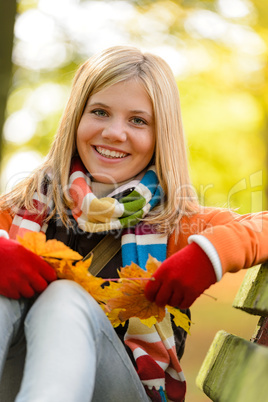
(153, 348)
(25, 221)
(155, 355)
(100, 215)
(139, 242)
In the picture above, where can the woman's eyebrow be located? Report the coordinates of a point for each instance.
(98, 104)
(141, 112)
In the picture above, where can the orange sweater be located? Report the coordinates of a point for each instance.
(241, 241)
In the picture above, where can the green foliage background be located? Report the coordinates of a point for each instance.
(222, 79)
(224, 103)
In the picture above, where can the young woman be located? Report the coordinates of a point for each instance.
(117, 165)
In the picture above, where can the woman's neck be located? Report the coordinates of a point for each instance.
(101, 190)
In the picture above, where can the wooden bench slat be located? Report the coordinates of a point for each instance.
(234, 370)
(261, 334)
(252, 296)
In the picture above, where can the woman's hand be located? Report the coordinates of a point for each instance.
(181, 278)
(22, 273)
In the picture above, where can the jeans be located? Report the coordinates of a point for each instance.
(73, 353)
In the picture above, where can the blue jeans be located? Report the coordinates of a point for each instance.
(73, 352)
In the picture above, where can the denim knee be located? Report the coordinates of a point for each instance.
(66, 300)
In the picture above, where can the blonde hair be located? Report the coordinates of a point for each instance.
(111, 66)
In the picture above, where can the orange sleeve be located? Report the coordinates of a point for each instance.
(241, 241)
(5, 220)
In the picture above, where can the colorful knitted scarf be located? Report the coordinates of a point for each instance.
(153, 348)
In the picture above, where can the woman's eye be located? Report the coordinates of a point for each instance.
(99, 112)
(138, 121)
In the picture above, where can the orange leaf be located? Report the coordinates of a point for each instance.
(61, 258)
(36, 242)
(114, 317)
(120, 300)
(131, 300)
(79, 273)
(152, 264)
(134, 271)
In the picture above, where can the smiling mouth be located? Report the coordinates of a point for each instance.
(107, 153)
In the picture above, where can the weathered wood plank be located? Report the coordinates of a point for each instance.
(253, 293)
(234, 370)
(261, 333)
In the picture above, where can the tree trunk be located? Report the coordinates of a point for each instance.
(7, 19)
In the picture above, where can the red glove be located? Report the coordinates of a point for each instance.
(22, 273)
(181, 278)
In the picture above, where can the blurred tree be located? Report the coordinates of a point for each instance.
(222, 45)
(216, 48)
(7, 20)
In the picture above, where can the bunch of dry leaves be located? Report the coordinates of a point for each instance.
(121, 298)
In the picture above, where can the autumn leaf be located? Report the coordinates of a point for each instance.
(134, 271)
(121, 298)
(37, 243)
(152, 265)
(114, 317)
(61, 258)
(79, 273)
(131, 300)
(180, 319)
(149, 322)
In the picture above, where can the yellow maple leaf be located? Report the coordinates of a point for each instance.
(62, 258)
(121, 299)
(134, 271)
(131, 301)
(113, 316)
(79, 273)
(37, 243)
(152, 265)
(180, 319)
(149, 322)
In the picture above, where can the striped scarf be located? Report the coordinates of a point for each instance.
(153, 348)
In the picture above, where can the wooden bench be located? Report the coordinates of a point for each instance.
(235, 369)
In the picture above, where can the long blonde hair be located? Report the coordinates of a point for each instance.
(111, 66)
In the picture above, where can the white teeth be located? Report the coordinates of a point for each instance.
(110, 154)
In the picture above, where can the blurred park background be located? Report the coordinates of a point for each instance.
(217, 50)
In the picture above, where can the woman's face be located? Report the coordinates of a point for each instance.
(116, 136)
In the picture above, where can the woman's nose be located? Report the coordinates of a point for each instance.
(115, 130)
